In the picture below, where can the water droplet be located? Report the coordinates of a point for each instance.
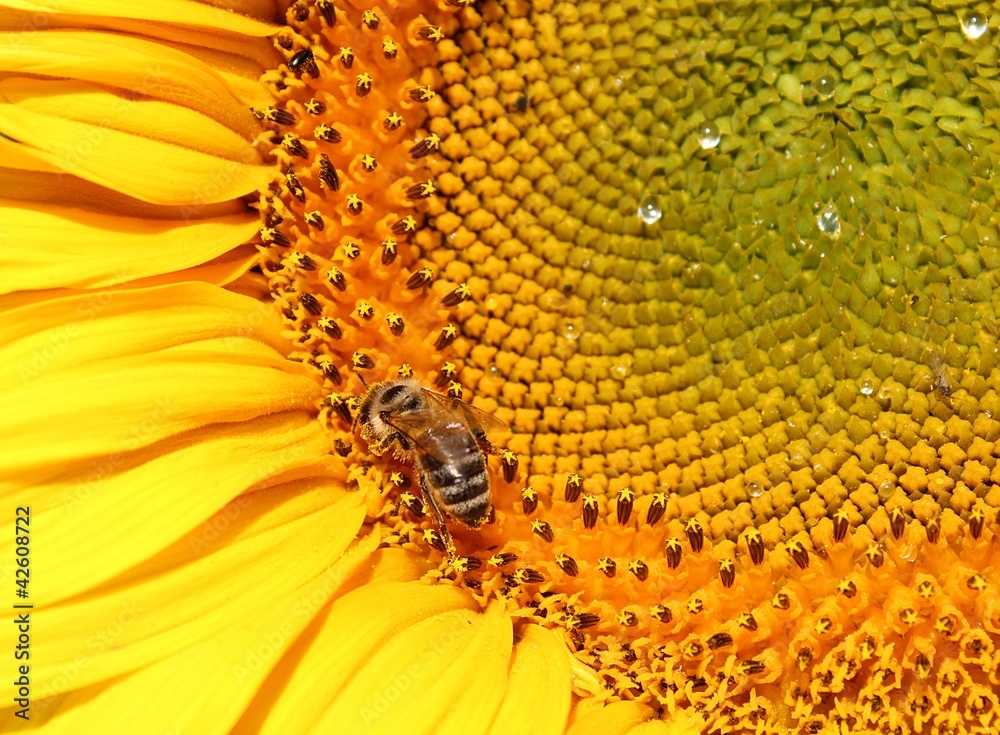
(754, 489)
(649, 210)
(829, 220)
(493, 372)
(867, 388)
(620, 372)
(824, 85)
(569, 331)
(974, 25)
(709, 135)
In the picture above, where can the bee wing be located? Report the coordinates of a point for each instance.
(417, 425)
(475, 418)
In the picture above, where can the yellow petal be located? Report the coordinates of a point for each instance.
(151, 505)
(172, 167)
(140, 367)
(270, 549)
(207, 686)
(538, 691)
(138, 65)
(45, 246)
(356, 629)
(182, 12)
(617, 718)
(443, 674)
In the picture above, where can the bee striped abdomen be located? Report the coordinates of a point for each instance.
(462, 483)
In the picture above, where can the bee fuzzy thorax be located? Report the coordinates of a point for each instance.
(381, 400)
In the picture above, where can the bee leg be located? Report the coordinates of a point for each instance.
(445, 533)
(485, 445)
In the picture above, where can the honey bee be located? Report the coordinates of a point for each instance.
(444, 438)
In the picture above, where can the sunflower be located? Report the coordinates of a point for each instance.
(727, 271)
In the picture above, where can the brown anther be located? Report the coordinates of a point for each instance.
(976, 582)
(875, 555)
(315, 219)
(354, 204)
(823, 626)
(393, 121)
(422, 190)
(926, 589)
(311, 304)
(639, 569)
(370, 18)
(329, 327)
(543, 530)
(336, 278)
(447, 374)
(363, 84)
(720, 640)
(405, 226)
(433, 539)
(294, 187)
(405, 370)
(755, 545)
(328, 174)
(426, 146)
(840, 525)
(574, 486)
(327, 10)
(897, 522)
(327, 134)
(727, 572)
(804, 659)
(586, 620)
(695, 534)
(339, 406)
(431, 33)
(455, 390)
(847, 588)
(294, 146)
(627, 619)
(398, 479)
(750, 667)
(412, 504)
(448, 334)
(695, 605)
(933, 528)
(301, 261)
(674, 551)
(271, 236)
(624, 505)
(501, 560)
(389, 48)
(299, 11)
(529, 500)
(799, 554)
(746, 621)
(590, 509)
(368, 162)
(351, 250)
(527, 575)
(692, 649)
(469, 563)
(508, 462)
(657, 508)
(922, 666)
(781, 601)
(607, 566)
(977, 519)
(361, 361)
(395, 322)
(567, 564)
(389, 251)
(422, 94)
(315, 107)
(329, 370)
(420, 279)
(281, 117)
(661, 613)
(346, 56)
(945, 625)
